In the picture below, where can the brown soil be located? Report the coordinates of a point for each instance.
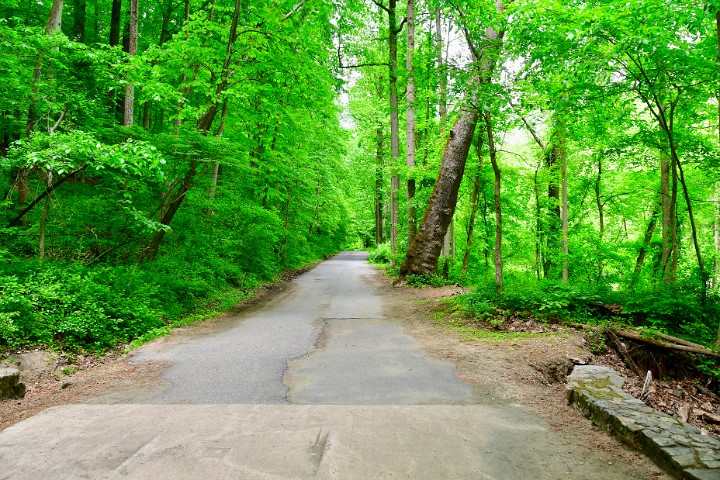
(528, 371)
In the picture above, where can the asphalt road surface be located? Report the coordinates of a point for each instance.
(315, 384)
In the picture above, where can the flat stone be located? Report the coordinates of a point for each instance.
(584, 372)
(702, 474)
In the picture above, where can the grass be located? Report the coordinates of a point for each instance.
(470, 332)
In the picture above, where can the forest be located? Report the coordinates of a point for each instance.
(162, 159)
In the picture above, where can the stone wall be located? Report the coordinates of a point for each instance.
(675, 446)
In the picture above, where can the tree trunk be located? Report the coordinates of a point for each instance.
(716, 236)
(129, 107)
(115, 14)
(379, 227)
(79, 16)
(442, 111)
(498, 206)
(553, 214)
(423, 252)
(442, 97)
(44, 217)
(410, 120)
(601, 217)
(473, 209)
(668, 191)
(394, 125)
(564, 206)
(646, 242)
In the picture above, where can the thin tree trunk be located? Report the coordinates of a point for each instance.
(473, 209)
(216, 166)
(129, 107)
(442, 97)
(716, 225)
(410, 120)
(693, 227)
(668, 191)
(649, 231)
(498, 260)
(115, 13)
(553, 215)
(442, 111)
(394, 125)
(601, 217)
(379, 165)
(564, 206)
(44, 217)
(79, 16)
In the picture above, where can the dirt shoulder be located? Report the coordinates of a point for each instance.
(522, 370)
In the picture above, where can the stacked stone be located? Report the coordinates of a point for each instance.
(675, 446)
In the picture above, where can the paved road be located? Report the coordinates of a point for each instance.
(317, 384)
(365, 359)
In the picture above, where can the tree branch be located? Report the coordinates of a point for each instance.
(57, 124)
(15, 221)
(293, 11)
(381, 6)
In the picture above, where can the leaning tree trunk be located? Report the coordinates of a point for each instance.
(425, 249)
(423, 252)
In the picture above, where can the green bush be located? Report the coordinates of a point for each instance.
(380, 254)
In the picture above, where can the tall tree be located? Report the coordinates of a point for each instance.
(410, 120)
(423, 252)
(129, 106)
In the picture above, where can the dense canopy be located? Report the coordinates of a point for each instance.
(161, 157)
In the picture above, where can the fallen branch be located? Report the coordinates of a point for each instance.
(623, 351)
(660, 341)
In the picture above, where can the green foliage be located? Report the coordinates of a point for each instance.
(380, 254)
(426, 280)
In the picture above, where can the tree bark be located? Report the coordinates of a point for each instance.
(668, 191)
(646, 242)
(394, 124)
(115, 13)
(473, 209)
(129, 107)
(423, 252)
(410, 120)
(79, 16)
(379, 165)
(498, 206)
(601, 217)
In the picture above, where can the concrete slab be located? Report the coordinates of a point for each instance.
(294, 441)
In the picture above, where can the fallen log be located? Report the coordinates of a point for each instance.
(659, 342)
